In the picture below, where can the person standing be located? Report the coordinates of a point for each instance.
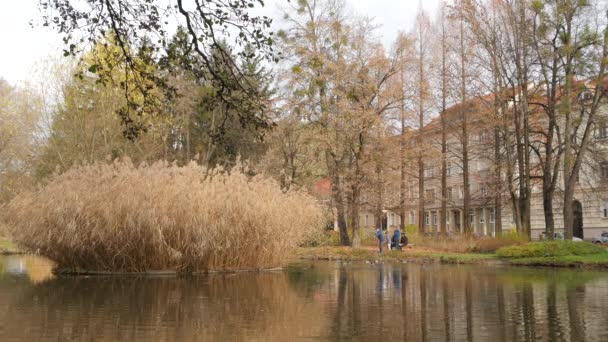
(380, 238)
(397, 239)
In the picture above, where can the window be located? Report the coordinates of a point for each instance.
(482, 217)
(482, 166)
(426, 218)
(485, 136)
(471, 216)
(449, 193)
(605, 209)
(447, 217)
(448, 169)
(604, 169)
(460, 192)
(412, 217)
(602, 130)
(428, 171)
(366, 219)
(483, 191)
(492, 215)
(434, 218)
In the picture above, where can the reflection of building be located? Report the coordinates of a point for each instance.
(591, 195)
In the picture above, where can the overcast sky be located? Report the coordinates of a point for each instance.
(21, 46)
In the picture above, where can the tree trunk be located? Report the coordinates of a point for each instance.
(354, 216)
(444, 145)
(548, 211)
(465, 137)
(402, 164)
(420, 195)
(498, 179)
(338, 198)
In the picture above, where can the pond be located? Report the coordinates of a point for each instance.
(308, 301)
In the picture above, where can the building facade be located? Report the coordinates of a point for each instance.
(591, 194)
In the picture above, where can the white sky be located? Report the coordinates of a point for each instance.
(22, 46)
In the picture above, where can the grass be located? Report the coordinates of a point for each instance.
(371, 254)
(470, 244)
(550, 249)
(590, 261)
(551, 253)
(7, 246)
(121, 218)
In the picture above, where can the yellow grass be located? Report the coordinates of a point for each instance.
(118, 217)
(463, 244)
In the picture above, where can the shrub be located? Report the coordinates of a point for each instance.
(368, 237)
(326, 238)
(411, 230)
(118, 217)
(549, 249)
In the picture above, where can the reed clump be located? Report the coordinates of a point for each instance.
(119, 217)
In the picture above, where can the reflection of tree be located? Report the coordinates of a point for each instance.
(577, 326)
(528, 312)
(404, 307)
(423, 300)
(500, 304)
(468, 298)
(448, 306)
(336, 326)
(553, 320)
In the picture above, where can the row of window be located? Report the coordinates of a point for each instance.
(434, 215)
(451, 193)
(453, 169)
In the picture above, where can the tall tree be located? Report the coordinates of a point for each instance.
(138, 23)
(583, 49)
(423, 37)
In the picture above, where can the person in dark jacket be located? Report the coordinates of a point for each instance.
(380, 238)
(397, 239)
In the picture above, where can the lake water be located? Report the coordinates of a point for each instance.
(309, 301)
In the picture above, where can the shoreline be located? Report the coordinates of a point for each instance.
(425, 256)
(418, 255)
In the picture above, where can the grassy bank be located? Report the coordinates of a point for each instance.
(371, 254)
(557, 254)
(548, 254)
(7, 246)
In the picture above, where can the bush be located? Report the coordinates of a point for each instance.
(119, 217)
(326, 238)
(549, 249)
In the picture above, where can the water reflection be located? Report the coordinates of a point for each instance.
(312, 301)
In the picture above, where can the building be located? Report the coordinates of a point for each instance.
(591, 194)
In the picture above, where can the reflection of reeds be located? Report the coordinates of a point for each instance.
(38, 270)
(220, 307)
(119, 217)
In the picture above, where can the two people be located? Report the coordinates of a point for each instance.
(394, 241)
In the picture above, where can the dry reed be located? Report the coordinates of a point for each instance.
(463, 244)
(118, 217)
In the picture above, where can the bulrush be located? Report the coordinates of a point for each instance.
(123, 218)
